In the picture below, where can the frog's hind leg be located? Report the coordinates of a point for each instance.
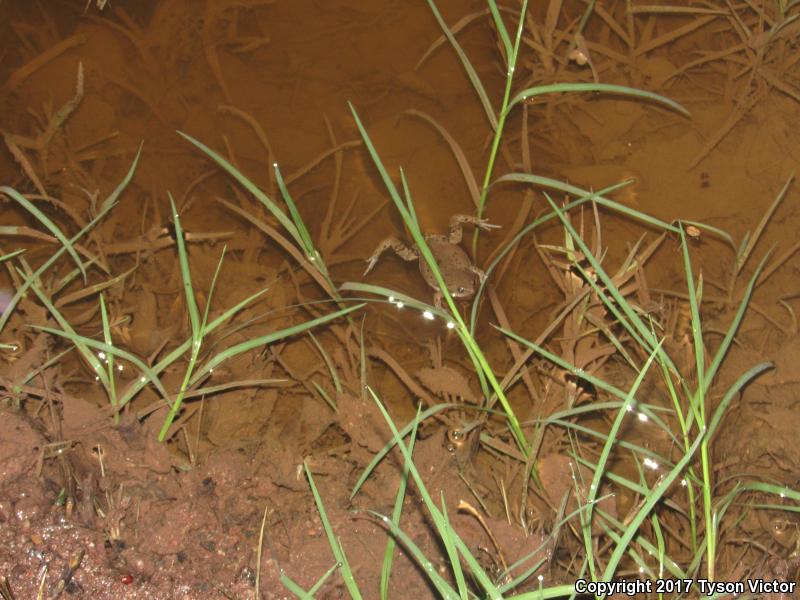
(401, 249)
(455, 231)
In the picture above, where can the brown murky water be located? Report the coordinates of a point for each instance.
(265, 82)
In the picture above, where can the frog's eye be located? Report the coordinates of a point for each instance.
(461, 289)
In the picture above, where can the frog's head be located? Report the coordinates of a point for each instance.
(461, 284)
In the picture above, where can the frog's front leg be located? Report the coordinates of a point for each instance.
(437, 299)
(455, 232)
(402, 250)
(482, 277)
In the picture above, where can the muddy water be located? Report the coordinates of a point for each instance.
(263, 82)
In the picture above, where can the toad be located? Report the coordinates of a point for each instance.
(460, 275)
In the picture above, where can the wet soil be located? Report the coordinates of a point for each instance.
(94, 508)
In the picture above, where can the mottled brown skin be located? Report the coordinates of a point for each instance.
(458, 272)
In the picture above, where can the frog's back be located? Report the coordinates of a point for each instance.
(454, 264)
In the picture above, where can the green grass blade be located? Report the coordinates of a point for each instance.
(148, 373)
(305, 236)
(695, 294)
(186, 276)
(232, 385)
(555, 184)
(112, 382)
(740, 382)
(113, 197)
(321, 391)
(233, 310)
(268, 203)
(430, 570)
(397, 511)
(651, 500)
(450, 550)
(781, 491)
(44, 220)
(11, 255)
(501, 30)
(602, 461)
(328, 363)
(268, 339)
(737, 320)
(393, 296)
(212, 287)
(333, 542)
(321, 581)
(470, 70)
(107, 205)
(742, 257)
(524, 231)
(194, 320)
(293, 587)
(137, 385)
(469, 343)
(80, 343)
(315, 268)
(392, 443)
(362, 358)
(499, 129)
(439, 521)
(632, 322)
(604, 88)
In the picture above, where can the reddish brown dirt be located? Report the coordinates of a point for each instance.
(95, 509)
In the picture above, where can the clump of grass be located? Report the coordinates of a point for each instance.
(200, 364)
(404, 204)
(102, 355)
(455, 548)
(32, 280)
(683, 481)
(628, 542)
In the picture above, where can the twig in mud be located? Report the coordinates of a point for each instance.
(210, 49)
(314, 162)
(285, 244)
(42, 577)
(26, 70)
(673, 35)
(402, 375)
(468, 508)
(736, 115)
(41, 143)
(185, 202)
(211, 16)
(676, 10)
(260, 135)
(20, 157)
(5, 589)
(158, 238)
(136, 91)
(304, 378)
(513, 347)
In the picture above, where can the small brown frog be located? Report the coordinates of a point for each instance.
(456, 268)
